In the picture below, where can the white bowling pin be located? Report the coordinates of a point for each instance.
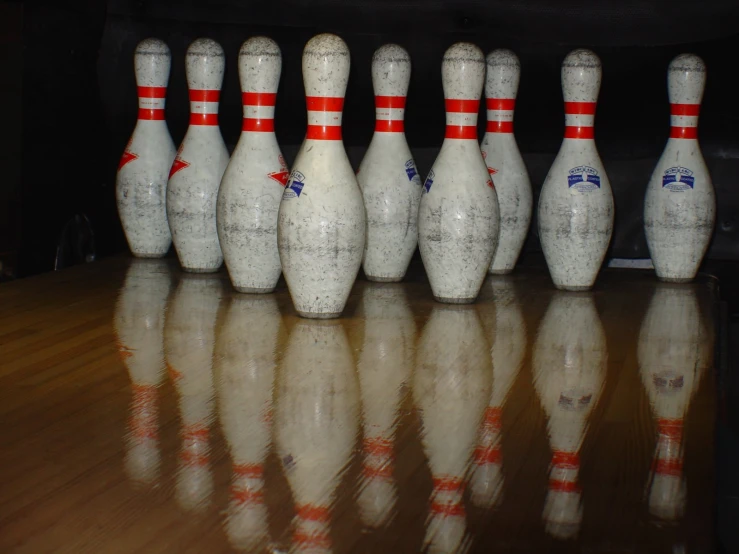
(503, 159)
(451, 386)
(680, 203)
(321, 225)
(197, 170)
(189, 337)
(458, 219)
(253, 183)
(139, 326)
(576, 202)
(244, 371)
(385, 361)
(390, 183)
(569, 366)
(671, 352)
(507, 336)
(316, 424)
(141, 181)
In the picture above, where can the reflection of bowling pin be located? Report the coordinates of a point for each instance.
(189, 334)
(680, 203)
(196, 173)
(244, 368)
(503, 159)
(139, 325)
(141, 182)
(451, 385)
(671, 353)
(384, 365)
(569, 367)
(315, 424)
(507, 336)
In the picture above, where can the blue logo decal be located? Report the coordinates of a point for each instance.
(583, 178)
(294, 185)
(678, 179)
(410, 169)
(429, 181)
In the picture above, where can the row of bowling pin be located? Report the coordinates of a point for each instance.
(459, 395)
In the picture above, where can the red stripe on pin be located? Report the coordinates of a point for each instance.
(151, 115)
(572, 132)
(247, 496)
(499, 127)
(685, 109)
(500, 103)
(566, 460)
(152, 92)
(389, 101)
(447, 484)
(311, 512)
(389, 126)
(258, 125)
(560, 485)
(461, 132)
(455, 509)
(684, 132)
(324, 103)
(580, 108)
(252, 471)
(672, 467)
(324, 132)
(203, 119)
(258, 98)
(461, 106)
(205, 95)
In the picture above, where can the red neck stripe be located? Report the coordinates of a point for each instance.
(572, 132)
(500, 103)
(324, 103)
(253, 125)
(251, 471)
(461, 106)
(685, 109)
(560, 485)
(461, 132)
(567, 460)
(580, 108)
(384, 471)
(499, 127)
(258, 98)
(203, 119)
(448, 484)
(673, 467)
(205, 95)
(323, 132)
(378, 447)
(455, 509)
(389, 126)
(151, 115)
(488, 455)
(247, 496)
(311, 512)
(684, 132)
(389, 101)
(152, 92)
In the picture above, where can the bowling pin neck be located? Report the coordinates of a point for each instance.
(324, 117)
(500, 115)
(668, 459)
(563, 473)
(259, 112)
(501, 86)
(581, 76)
(391, 73)
(461, 118)
(389, 114)
(312, 530)
(462, 76)
(204, 107)
(260, 65)
(447, 497)
(151, 103)
(686, 80)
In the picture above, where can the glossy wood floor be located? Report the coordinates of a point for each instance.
(146, 410)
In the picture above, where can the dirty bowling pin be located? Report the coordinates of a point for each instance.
(141, 181)
(503, 159)
(680, 203)
(458, 219)
(390, 183)
(251, 188)
(201, 160)
(576, 203)
(321, 224)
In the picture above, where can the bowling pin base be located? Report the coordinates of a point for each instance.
(252, 290)
(675, 279)
(500, 271)
(315, 315)
(444, 300)
(201, 270)
(149, 255)
(384, 279)
(573, 288)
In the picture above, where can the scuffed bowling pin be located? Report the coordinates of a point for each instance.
(139, 327)
(321, 225)
(569, 366)
(503, 159)
(576, 202)
(141, 181)
(244, 371)
(451, 386)
(390, 183)
(458, 219)
(252, 186)
(197, 170)
(680, 203)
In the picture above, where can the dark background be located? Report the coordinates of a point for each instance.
(75, 62)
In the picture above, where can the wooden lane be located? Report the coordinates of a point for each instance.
(147, 410)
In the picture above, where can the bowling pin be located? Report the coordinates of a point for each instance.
(569, 365)
(139, 326)
(316, 425)
(458, 219)
(244, 372)
(506, 332)
(451, 385)
(384, 365)
(141, 181)
(576, 202)
(671, 352)
(253, 183)
(390, 183)
(189, 336)
(321, 224)
(503, 159)
(680, 203)
(197, 170)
